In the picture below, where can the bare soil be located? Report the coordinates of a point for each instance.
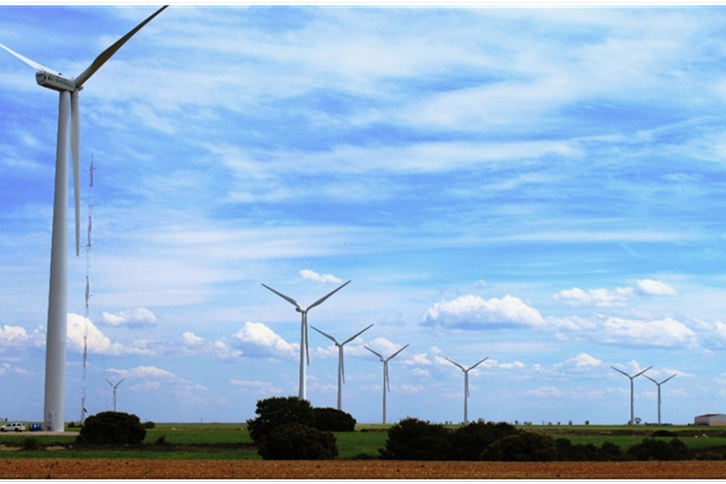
(351, 469)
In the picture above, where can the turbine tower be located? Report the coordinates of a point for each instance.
(631, 387)
(341, 368)
(386, 384)
(466, 385)
(115, 387)
(304, 353)
(658, 385)
(69, 89)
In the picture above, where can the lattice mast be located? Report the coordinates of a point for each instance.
(88, 293)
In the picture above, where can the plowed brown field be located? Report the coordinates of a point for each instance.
(351, 469)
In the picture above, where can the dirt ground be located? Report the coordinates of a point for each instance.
(351, 469)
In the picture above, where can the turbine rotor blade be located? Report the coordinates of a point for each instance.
(305, 330)
(479, 363)
(76, 155)
(397, 352)
(31, 63)
(325, 334)
(649, 378)
(342, 363)
(108, 53)
(667, 378)
(286, 298)
(642, 371)
(375, 353)
(454, 363)
(356, 335)
(322, 299)
(620, 371)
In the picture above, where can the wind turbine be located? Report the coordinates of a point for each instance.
(386, 384)
(341, 368)
(304, 353)
(466, 384)
(68, 88)
(115, 387)
(631, 387)
(658, 385)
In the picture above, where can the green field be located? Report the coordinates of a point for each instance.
(232, 441)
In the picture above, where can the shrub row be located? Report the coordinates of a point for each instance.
(414, 439)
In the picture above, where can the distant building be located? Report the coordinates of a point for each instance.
(712, 419)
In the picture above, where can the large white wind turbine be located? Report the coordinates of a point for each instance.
(631, 388)
(341, 368)
(658, 385)
(69, 88)
(304, 353)
(386, 384)
(466, 384)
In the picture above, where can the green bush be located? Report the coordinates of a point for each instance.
(333, 420)
(111, 428)
(653, 449)
(275, 411)
(663, 433)
(31, 443)
(414, 439)
(295, 441)
(468, 442)
(149, 425)
(522, 447)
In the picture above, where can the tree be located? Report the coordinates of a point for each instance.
(295, 441)
(468, 442)
(333, 420)
(275, 411)
(111, 428)
(414, 439)
(525, 446)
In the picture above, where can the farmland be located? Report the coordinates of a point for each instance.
(213, 451)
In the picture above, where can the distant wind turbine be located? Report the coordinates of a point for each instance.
(69, 88)
(631, 387)
(115, 387)
(304, 352)
(386, 384)
(341, 367)
(658, 385)
(466, 385)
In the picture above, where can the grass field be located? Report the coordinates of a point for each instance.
(232, 441)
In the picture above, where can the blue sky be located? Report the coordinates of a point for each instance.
(541, 186)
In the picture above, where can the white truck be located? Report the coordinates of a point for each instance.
(13, 427)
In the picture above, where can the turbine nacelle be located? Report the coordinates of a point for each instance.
(55, 82)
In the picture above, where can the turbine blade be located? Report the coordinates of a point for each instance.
(324, 334)
(286, 298)
(342, 363)
(479, 363)
(397, 352)
(31, 63)
(108, 53)
(305, 330)
(377, 354)
(454, 363)
(649, 378)
(642, 371)
(322, 299)
(356, 335)
(76, 155)
(667, 378)
(620, 371)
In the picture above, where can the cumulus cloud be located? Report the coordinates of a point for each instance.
(665, 333)
(580, 363)
(309, 275)
(133, 318)
(146, 373)
(16, 337)
(474, 313)
(594, 297)
(656, 288)
(419, 359)
(257, 340)
(619, 297)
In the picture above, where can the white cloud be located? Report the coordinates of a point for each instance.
(656, 288)
(419, 359)
(474, 313)
(544, 392)
(661, 333)
(256, 387)
(16, 337)
(134, 318)
(191, 339)
(594, 297)
(146, 373)
(314, 276)
(257, 340)
(580, 363)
